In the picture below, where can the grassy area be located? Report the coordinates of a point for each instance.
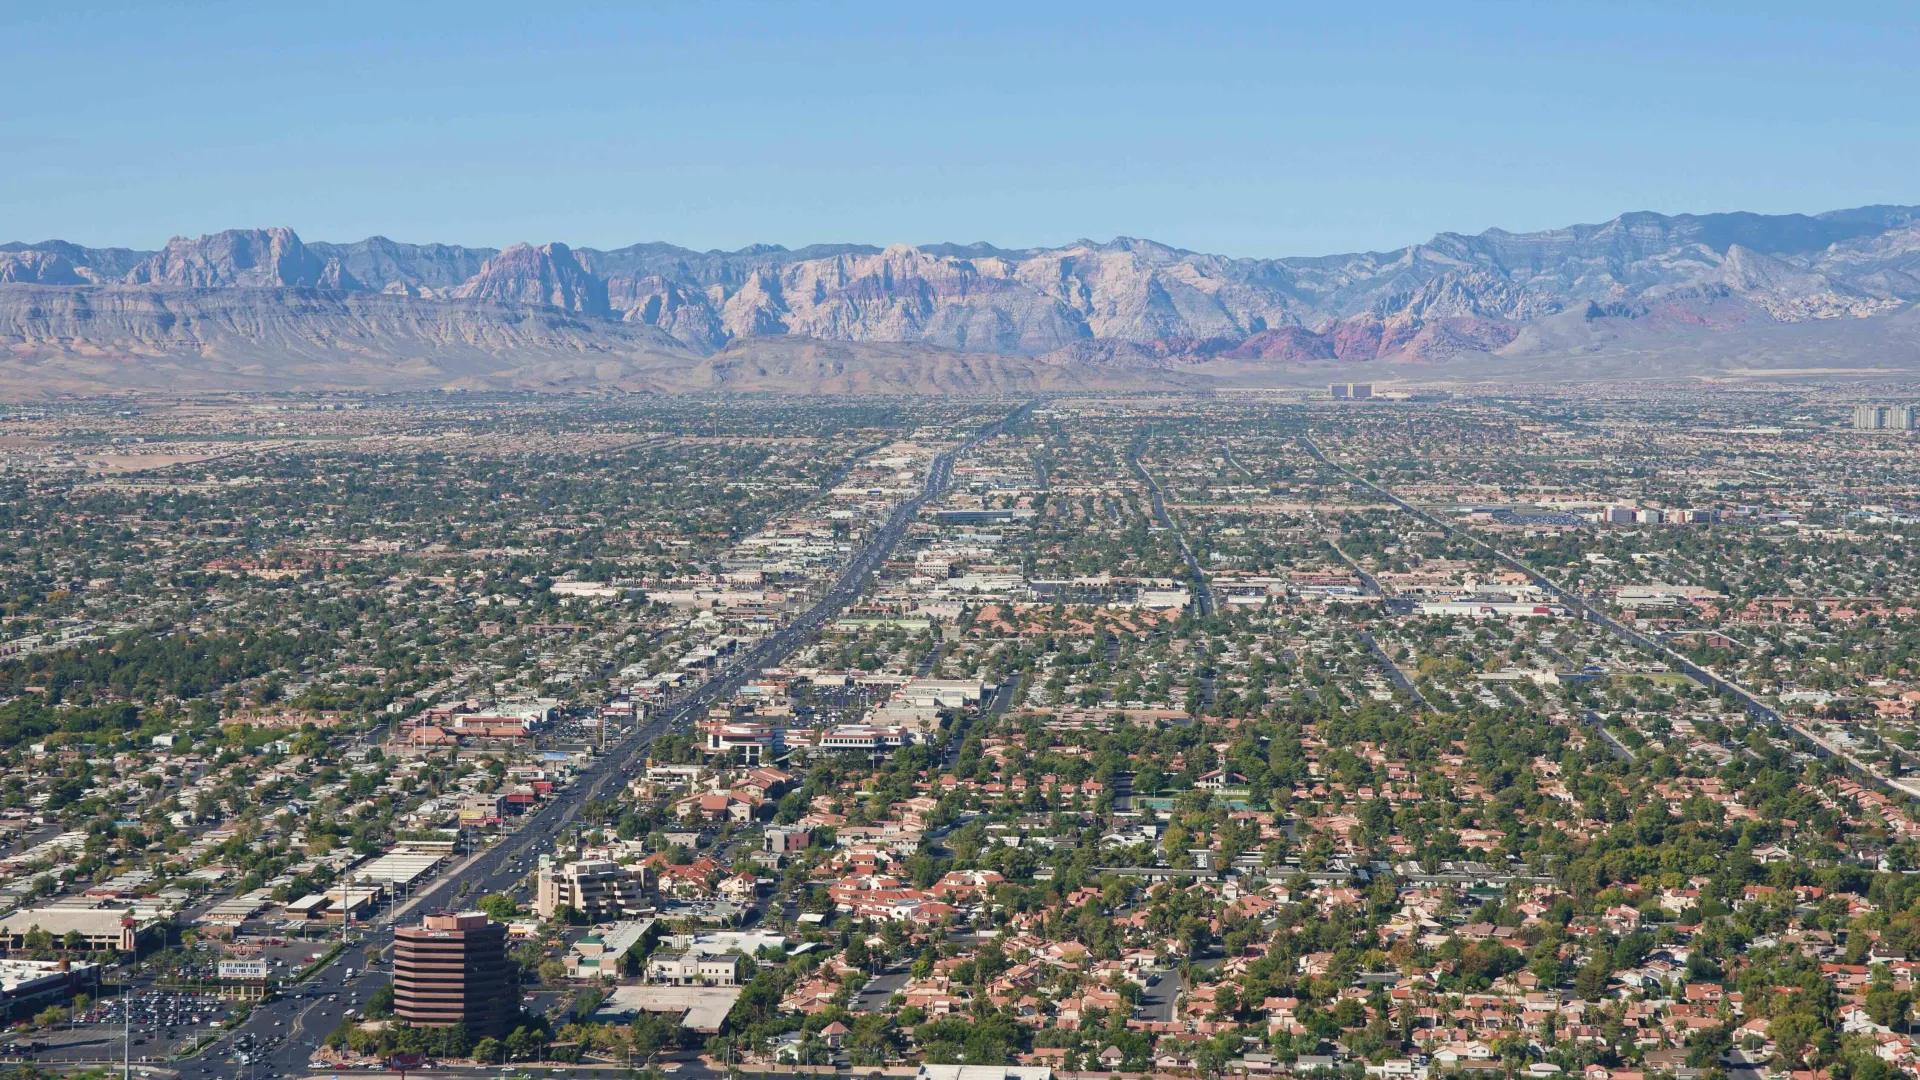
(1658, 678)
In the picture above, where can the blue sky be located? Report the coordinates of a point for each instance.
(1248, 129)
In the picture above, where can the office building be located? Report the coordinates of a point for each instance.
(694, 968)
(752, 742)
(604, 951)
(454, 969)
(1869, 418)
(597, 888)
(785, 841)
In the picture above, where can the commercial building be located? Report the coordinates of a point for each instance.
(755, 743)
(1353, 391)
(984, 1072)
(694, 969)
(27, 986)
(1483, 609)
(865, 738)
(596, 888)
(454, 969)
(105, 929)
(702, 1009)
(604, 951)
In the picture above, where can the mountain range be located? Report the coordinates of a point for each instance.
(1642, 295)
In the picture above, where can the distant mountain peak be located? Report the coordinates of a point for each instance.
(549, 274)
(1128, 298)
(234, 258)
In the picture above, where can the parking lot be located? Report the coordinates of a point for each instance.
(162, 1022)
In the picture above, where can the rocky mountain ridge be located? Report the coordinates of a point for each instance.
(1123, 304)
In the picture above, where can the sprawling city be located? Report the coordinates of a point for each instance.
(1357, 730)
(851, 540)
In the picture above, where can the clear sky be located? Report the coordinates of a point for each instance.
(1248, 129)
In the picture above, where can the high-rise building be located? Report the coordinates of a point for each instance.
(1339, 391)
(1886, 418)
(597, 888)
(454, 969)
(1360, 391)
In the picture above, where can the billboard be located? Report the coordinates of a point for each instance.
(243, 969)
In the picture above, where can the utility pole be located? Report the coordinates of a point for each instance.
(126, 1034)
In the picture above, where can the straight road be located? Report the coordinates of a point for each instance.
(1614, 746)
(293, 1026)
(1227, 453)
(879, 990)
(1157, 1000)
(1393, 670)
(1202, 592)
(1748, 700)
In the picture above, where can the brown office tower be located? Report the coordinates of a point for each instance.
(454, 968)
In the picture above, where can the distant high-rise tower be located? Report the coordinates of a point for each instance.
(1360, 391)
(1869, 417)
(1339, 391)
(1903, 418)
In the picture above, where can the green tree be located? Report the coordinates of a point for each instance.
(380, 1005)
(1591, 981)
(498, 906)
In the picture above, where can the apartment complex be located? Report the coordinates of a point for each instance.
(1884, 417)
(597, 888)
(454, 969)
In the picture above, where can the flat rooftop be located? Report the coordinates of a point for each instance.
(396, 868)
(706, 1007)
